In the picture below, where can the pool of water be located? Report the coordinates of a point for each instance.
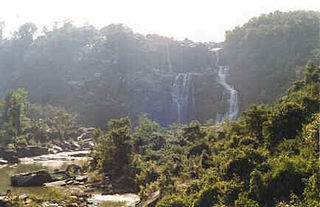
(50, 163)
(47, 162)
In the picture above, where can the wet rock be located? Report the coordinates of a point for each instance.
(31, 179)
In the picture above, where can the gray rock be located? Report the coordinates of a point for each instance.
(31, 179)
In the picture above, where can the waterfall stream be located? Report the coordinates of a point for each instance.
(183, 93)
(182, 96)
(230, 92)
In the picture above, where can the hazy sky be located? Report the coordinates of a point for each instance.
(198, 20)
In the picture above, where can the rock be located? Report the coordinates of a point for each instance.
(66, 145)
(73, 168)
(23, 197)
(70, 182)
(74, 197)
(31, 151)
(82, 178)
(9, 155)
(50, 204)
(56, 184)
(80, 154)
(3, 162)
(5, 203)
(31, 179)
(75, 145)
(55, 149)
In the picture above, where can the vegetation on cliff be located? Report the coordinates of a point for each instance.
(268, 157)
(268, 52)
(111, 71)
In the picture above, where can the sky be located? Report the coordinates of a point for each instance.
(197, 20)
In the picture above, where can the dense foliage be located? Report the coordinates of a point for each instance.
(268, 52)
(22, 122)
(268, 157)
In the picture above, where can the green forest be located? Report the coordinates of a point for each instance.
(275, 46)
(75, 82)
(268, 157)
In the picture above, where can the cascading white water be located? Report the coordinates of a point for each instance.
(233, 103)
(182, 96)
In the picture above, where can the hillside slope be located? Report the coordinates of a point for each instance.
(268, 52)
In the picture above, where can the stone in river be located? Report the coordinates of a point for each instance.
(31, 179)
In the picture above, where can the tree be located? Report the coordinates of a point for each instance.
(14, 119)
(284, 123)
(254, 118)
(26, 32)
(113, 152)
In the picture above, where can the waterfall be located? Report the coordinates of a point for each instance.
(182, 96)
(230, 92)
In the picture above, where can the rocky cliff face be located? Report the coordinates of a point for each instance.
(178, 97)
(114, 72)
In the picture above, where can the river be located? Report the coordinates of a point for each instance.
(51, 162)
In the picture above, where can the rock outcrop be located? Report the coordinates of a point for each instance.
(37, 178)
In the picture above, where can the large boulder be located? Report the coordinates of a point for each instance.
(37, 178)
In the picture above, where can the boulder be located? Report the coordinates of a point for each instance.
(37, 178)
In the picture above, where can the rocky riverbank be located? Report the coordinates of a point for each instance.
(80, 142)
(64, 182)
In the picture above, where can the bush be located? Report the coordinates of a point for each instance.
(171, 201)
(286, 178)
(207, 197)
